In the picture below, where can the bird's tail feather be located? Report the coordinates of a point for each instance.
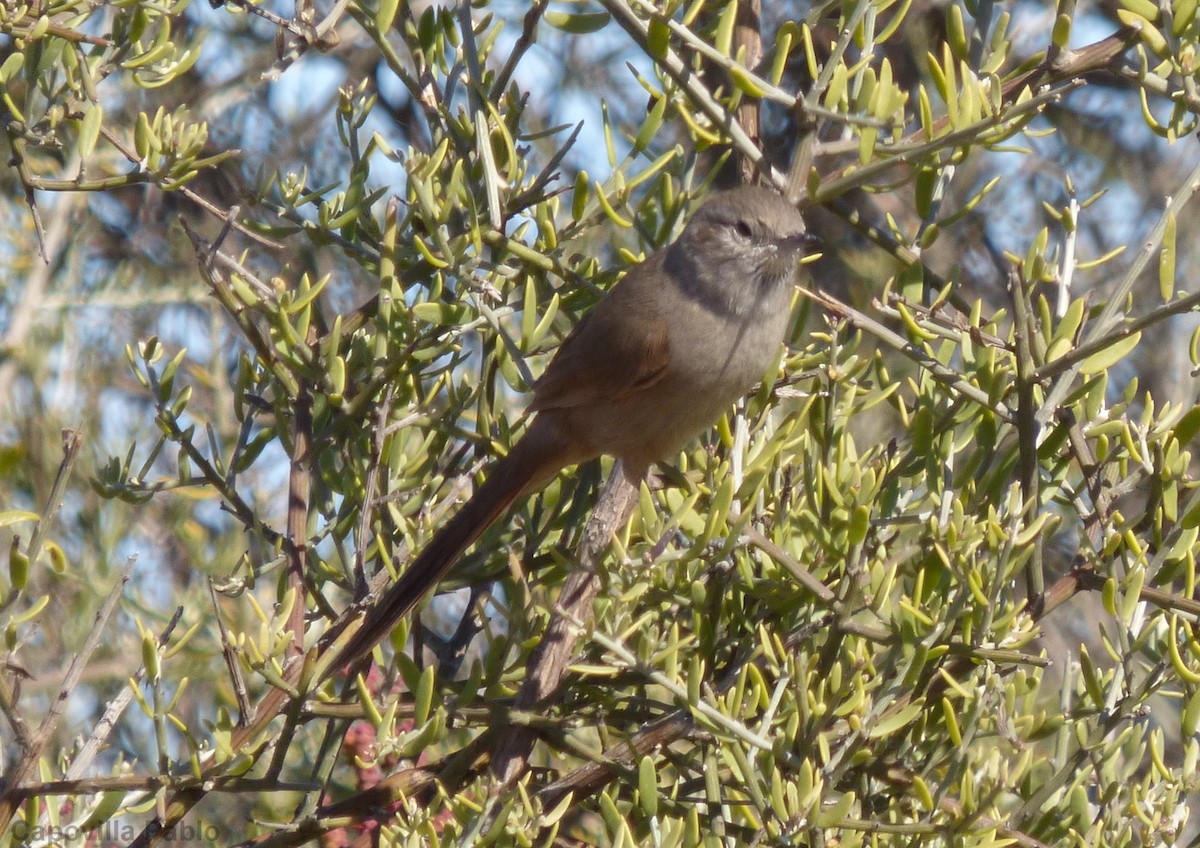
(533, 459)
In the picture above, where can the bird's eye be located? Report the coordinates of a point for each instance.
(743, 229)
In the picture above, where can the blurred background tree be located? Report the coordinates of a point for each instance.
(277, 276)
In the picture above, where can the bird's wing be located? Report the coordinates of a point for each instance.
(619, 347)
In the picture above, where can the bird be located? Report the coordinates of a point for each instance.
(660, 357)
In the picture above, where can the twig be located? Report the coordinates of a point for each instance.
(72, 442)
(130, 154)
(747, 47)
(295, 544)
(549, 660)
(1099, 336)
(825, 596)
(590, 778)
(37, 744)
(937, 370)
(683, 76)
(524, 42)
(916, 147)
(1027, 431)
(32, 299)
(152, 782)
(112, 712)
(367, 509)
(236, 678)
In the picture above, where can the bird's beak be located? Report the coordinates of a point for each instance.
(806, 246)
(801, 243)
(807, 243)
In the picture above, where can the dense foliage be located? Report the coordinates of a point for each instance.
(279, 277)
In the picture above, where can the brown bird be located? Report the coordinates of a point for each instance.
(682, 336)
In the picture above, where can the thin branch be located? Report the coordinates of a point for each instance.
(220, 214)
(33, 294)
(683, 76)
(550, 658)
(937, 370)
(1102, 334)
(30, 756)
(1027, 430)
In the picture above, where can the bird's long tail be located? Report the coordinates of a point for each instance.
(535, 458)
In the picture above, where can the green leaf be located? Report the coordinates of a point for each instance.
(580, 23)
(745, 82)
(860, 523)
(1191, 715)
(956, 31)
(648, 786)
(11, 65)
(658, 38)
(900, 718)
(1188, 426)
(18, 565)
(543, 325)
(104, 810)
(1166, 261)
(723, 39)
(1102, 360)
(442, 314)
(925, 183)
(385, 15)
(423, 696)
(16, 516)
(1184, 14)
(89, 130)
(1062, 31)
(650, 126)
(1146, 8)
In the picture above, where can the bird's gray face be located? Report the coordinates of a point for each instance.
(738, 248)
(766, 246)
